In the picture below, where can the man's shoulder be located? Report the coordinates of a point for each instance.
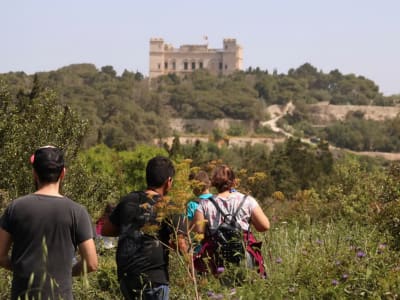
(133, 195)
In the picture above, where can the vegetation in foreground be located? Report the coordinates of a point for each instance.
(335, 220)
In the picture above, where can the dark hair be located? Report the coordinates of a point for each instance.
(48, 162)
(223, 178)
(202, 182)
(158, 170)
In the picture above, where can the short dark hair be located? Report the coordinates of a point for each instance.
(158, 170)
(48, 162)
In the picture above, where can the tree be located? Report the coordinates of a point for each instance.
(25, 127)
(109, 70)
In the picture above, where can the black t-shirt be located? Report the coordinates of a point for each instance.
(46, 231)
(138, 254)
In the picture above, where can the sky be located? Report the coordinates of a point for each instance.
(354, 36)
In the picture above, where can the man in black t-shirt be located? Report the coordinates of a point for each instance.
(142, 257)
(44, 229)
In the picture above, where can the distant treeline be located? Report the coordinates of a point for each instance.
(124, 110)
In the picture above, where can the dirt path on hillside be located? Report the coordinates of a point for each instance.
(279, 112)
(276, 112)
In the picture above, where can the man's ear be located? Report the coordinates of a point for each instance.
(63, 172)
(168, 184)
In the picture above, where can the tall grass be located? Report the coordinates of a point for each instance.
(319, 261)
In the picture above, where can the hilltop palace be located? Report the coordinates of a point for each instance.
(165, 59)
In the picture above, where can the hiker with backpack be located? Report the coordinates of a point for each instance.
(142, 254)
(226, 220)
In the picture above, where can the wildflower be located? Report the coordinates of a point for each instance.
(338, 262)
(213, 295)
(345, 276)
(220, 270)
(278, 260)
(381, 247)
(319, 242)
(360, 254)
(335, 282)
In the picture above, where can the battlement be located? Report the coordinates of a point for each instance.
(165, 59)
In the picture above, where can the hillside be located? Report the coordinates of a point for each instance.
(324, 112)
(126, 110)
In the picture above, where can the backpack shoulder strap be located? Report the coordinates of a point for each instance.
(239, 207)
(217, 206)
(224, 214)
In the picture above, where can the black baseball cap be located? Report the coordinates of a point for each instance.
(48, 159)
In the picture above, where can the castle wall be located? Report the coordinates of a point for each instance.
(165, 59)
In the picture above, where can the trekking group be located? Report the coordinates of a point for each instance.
(44, 230)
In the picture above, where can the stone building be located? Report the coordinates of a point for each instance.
(165, 59)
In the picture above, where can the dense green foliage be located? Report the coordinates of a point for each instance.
(121, 110)
(355, 132)
(124, 110)
(335, 219)
(365, 135)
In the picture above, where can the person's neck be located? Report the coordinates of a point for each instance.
(155, 191)
(49, 189)
(224, 194)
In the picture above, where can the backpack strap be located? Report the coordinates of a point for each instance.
(221, 211)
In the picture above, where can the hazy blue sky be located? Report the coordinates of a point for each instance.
(354, 36)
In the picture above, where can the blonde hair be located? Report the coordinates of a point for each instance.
(200, 182)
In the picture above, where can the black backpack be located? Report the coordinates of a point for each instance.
(132, 242)
(228, 237)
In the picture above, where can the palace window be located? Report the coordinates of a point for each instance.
(193, 65)
(166, 65)
(185, 65)
(201, 65)
(220, 65)
(173, 65)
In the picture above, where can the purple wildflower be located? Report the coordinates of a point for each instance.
(220, 270)
(278, 260)
(335, 282)
(319, 242)
(345, 276)
(360, 254)
(213, 295)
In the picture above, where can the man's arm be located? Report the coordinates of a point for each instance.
(109, 229)
(87, 250)
(5, 245)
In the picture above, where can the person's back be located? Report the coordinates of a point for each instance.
(44, 230)
(228, 204)
(142, 258)
(44, 242)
